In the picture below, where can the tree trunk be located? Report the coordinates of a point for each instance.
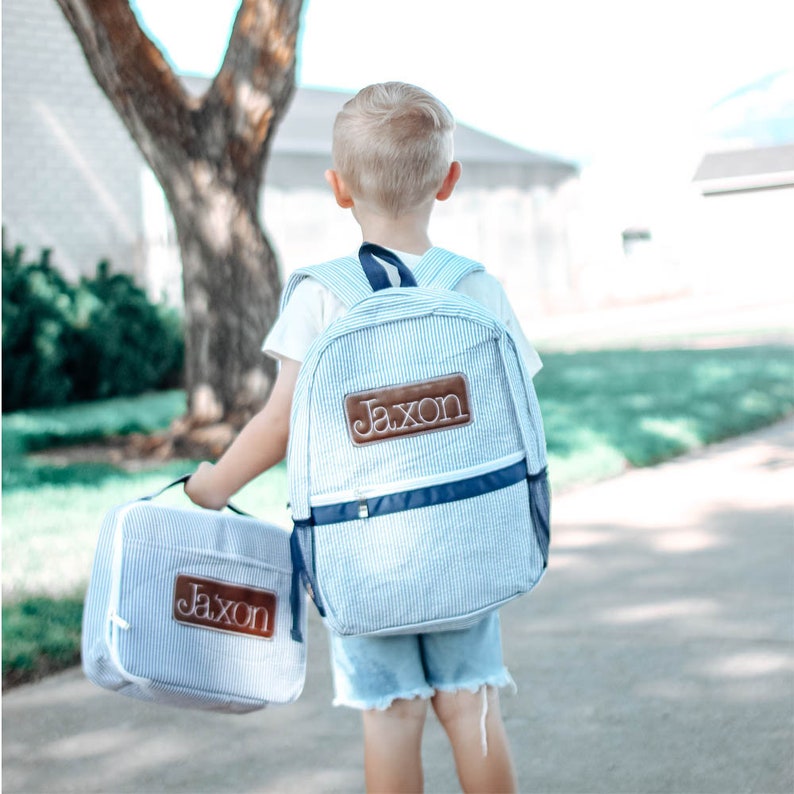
(231, 287)
(209, 155)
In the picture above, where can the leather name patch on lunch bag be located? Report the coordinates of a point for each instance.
(417, 458)
(192, 607)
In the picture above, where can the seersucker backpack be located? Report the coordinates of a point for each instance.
(417, 458)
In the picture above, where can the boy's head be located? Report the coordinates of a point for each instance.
(392, 146)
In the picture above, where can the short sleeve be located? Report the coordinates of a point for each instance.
(310, 309)
(485, 289)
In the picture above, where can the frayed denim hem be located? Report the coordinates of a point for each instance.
(381, 704)
(502, 680)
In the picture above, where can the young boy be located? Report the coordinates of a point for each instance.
(392, 155)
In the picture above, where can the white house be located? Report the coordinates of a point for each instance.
(73, 180)
(745, 214)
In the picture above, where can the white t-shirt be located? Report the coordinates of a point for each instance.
(313, 307)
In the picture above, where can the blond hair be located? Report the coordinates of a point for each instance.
(393, 146)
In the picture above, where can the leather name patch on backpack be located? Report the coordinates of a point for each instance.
(224, 607)
(397, 411)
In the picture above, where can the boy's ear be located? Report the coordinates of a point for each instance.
(341, 193)
(451, 179)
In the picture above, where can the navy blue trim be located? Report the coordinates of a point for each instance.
(540, 511)
(539, 475)
(374, 271)
(298, 566)
(334, 514)
(423, 497)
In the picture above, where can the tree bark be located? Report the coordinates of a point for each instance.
(229, 305)
(209, 155)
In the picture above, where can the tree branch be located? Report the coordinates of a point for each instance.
(230, 128)
(131, 71)
(257, 78)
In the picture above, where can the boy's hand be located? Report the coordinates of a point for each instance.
(260, 444)
(202, 490)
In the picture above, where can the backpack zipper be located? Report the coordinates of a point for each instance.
(361, 495)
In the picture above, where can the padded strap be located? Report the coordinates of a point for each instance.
(346, 278)
(442, 269)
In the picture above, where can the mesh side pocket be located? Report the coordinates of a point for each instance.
(540, 510)
(302, 545)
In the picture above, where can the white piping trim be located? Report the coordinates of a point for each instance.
(115, 623)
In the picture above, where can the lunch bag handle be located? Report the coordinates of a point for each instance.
(183, 479)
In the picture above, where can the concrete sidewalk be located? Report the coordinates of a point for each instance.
(655, 657)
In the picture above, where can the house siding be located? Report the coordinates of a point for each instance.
(71, 172)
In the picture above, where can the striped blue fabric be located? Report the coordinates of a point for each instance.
(344, 277)
(436, 565)
(131, 642)
(441, 269)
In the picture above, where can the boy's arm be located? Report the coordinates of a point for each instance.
(261, 444)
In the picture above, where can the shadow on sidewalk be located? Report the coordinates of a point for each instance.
(655, 657)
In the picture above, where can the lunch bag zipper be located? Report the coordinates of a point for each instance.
(116, 623)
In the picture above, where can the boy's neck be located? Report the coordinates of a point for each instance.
(407, 233)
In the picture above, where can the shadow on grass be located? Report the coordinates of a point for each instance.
(649, 405)
(40, 428)
(41, 635)
(43, 428)
(23, 474)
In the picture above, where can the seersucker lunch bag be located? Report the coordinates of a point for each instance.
(191, 607)
(417, 457)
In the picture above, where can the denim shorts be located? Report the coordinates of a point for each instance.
(371, 672)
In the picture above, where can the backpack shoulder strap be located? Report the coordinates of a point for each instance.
(444, 270)
(343, 276)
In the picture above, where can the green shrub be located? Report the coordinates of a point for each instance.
(99, 338)
(136, 345)
(38, 333)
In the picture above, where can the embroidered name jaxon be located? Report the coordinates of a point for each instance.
(397, 411)
(223, 606)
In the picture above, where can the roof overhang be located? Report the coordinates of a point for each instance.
(745, 170)
(301, 148)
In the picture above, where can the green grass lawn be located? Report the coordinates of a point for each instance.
(606, 410)
(27, 431)
(603, 412)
